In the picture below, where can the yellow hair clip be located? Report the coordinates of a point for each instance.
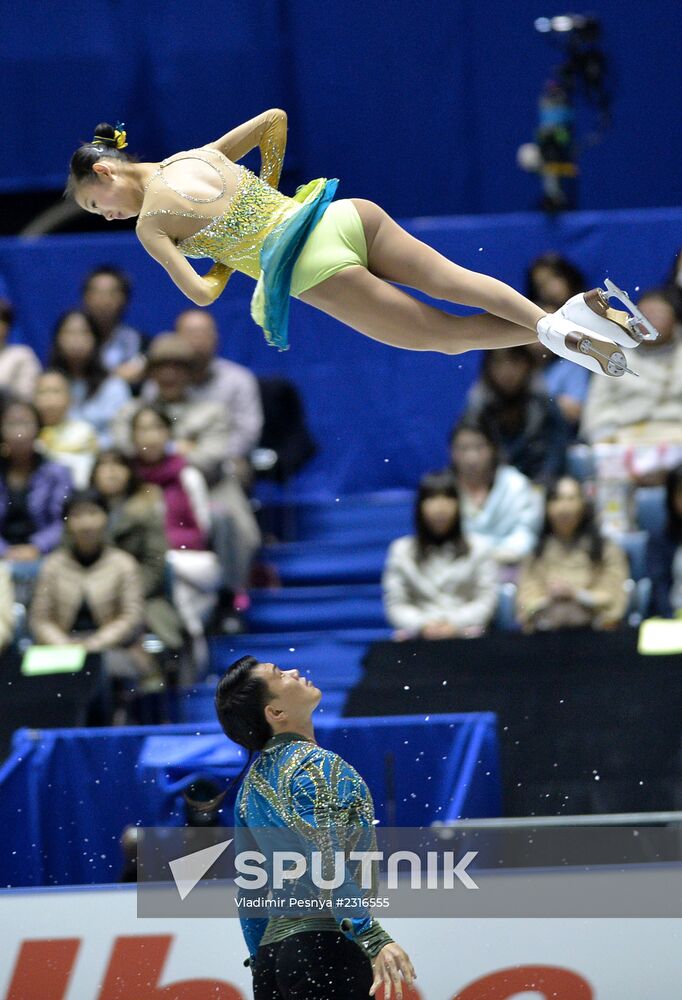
(118, 140)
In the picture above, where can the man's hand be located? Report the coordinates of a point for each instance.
(391, 967)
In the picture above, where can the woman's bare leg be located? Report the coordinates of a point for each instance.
(386, 313)
(364, 300)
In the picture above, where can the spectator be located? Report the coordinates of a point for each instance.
(498, 503)
(551, 281)
(32, 490)
(201, 435)
(6, 606)
(200, 428)
(673, 286)
(575, 578)
(532, 431)
(436, 583)
(106, 294)
(19, 366)
(285, 444)
(196, 572)
(664, 553)
(224, 382)
(96, 397)
(89, 593)
(136, 513)
(653, 402)
(69, 442)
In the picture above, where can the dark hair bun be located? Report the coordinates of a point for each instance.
(105, 133)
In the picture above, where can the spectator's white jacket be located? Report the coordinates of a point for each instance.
(654, 397)
(460, 590)
(511, 517)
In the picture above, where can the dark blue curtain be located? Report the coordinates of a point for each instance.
(418, 106)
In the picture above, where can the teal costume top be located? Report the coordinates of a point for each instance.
(300, 786)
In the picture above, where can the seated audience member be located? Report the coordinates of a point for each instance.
(200, 427)
(136, 514)
(498, 503)
(6, 606)
(105, 298)
(224, 382)
(673, 286)
(551, 281)
(70, 442)
(33, 490)
(664, 553)
(19, 366)
(89, 593)
(200, 434)
(575, 578)
(438, 584)
(532, 431)
(96, 397)
(650, 408)
(196, 571)
(286, 444)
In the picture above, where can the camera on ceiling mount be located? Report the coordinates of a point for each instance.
(583, 72)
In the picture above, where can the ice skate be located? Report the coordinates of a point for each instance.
(592, 310)
(575, 343)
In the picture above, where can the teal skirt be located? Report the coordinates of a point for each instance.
(278, 256)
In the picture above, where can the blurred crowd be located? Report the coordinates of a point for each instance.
(126, 463)
(127, 525)
(536, 512)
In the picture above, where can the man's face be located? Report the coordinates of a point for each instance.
(292, 697)
(104, 299)
(172, 378)
(199, 330)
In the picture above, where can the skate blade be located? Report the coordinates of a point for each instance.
(613, 364)
(637, 323)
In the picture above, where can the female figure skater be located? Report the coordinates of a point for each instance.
(298, 785)
(340, 257)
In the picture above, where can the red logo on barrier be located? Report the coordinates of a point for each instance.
(44, 968)
(547, 980)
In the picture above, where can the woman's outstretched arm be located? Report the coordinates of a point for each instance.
(268, 131)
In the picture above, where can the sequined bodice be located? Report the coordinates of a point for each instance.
(235, 235)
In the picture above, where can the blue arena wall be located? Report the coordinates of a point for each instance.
(381, 415)
(420, 107)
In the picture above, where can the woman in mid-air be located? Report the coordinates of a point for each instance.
(341, 257)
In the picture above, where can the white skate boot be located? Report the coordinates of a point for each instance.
(575, 343)
(592, 310)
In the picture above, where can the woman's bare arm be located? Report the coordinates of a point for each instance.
(268, 131)
(201, 290)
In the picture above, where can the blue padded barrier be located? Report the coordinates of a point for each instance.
(432, 776)
(66, 794)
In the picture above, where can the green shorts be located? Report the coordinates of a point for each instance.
(337, 241)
